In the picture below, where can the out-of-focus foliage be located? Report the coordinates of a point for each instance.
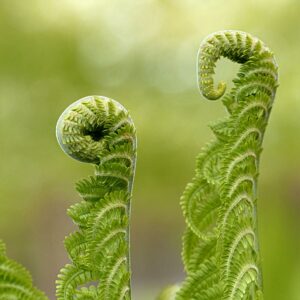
(141, 53)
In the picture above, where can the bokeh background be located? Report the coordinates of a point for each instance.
(143, 54)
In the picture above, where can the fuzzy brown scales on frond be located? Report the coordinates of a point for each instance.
(219, 204)
(99, 130)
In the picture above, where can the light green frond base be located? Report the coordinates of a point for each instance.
(169, 293)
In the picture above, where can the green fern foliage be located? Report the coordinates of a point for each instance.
(15, 280)
(100, 131)
(220, 245)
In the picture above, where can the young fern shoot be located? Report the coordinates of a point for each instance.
(100, 131)
(220, 244)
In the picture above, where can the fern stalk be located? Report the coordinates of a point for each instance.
(100, 131)
(220, 246)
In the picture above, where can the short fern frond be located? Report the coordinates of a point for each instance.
(99, 130)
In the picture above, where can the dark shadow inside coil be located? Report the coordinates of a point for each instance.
(96, 133)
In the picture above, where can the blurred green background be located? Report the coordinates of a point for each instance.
(143, 54)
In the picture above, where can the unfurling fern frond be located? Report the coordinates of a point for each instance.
(220, 245)
(99, 130)
(15, 280)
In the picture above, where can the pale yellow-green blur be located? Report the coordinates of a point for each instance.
(143, 54)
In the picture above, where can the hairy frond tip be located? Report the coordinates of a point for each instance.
(209, 92)
(235, 45)
(84, 127)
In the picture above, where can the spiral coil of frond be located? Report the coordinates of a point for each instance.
(99, 130)
(220, 246)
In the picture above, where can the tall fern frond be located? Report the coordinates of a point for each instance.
(220, 245)
(100, 131)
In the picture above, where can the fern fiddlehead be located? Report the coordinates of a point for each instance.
(220, 246)
(99, 130)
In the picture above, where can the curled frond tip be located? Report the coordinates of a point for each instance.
(84, 128)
